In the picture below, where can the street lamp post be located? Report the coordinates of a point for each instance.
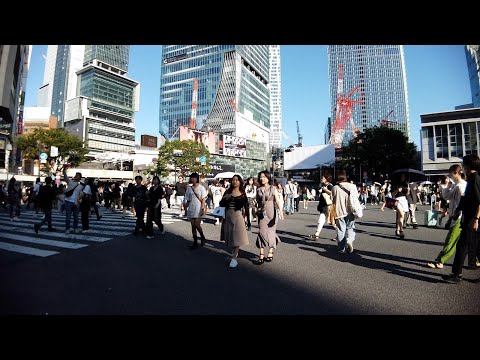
(176, 154)
(9, 148)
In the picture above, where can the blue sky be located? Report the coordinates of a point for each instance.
(437, 80)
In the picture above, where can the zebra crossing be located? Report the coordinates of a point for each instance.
(20, 237)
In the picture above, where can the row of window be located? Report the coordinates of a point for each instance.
(436, 139)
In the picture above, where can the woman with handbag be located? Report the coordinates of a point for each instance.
(233, 231)
(196, 205)
(324, 204)
(267, 198)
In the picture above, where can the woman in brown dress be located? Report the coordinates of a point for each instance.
(267, 236)
(234, 232)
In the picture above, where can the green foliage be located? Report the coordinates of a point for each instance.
(185, 164)
(71, 149)
(378, 150)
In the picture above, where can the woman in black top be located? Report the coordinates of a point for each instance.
(324, 203)
(155, 195)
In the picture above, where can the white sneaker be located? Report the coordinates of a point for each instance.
(233, 263)
(67, 231)
(84, 231)
(149, 237)
(16, 218)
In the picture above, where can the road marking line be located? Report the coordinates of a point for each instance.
(26, 250)
(56, 243)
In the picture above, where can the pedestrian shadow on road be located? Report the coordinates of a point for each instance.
(406, 239)
(366, 259)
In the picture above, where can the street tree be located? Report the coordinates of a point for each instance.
(187, 163)
(71, 148)
(378, 150)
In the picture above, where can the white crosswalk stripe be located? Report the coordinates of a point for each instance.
(111, 225)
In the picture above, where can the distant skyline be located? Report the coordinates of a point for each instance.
(437, 81)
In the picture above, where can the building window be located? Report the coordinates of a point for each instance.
(441, 141)
(455, 132)
(470, 138)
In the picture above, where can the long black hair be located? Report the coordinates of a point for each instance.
(241, 187)
(267, 175)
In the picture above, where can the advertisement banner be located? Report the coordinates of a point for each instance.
(202, 137)
(218, 168)
(232, 146)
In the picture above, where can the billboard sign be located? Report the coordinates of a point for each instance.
(149, 141)
(219, 168)
(202, 137)
(232, 146)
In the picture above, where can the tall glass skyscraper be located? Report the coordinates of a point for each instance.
(473, 63)
(275, 97)
(231, 79)
(68, 59)
(379, 71)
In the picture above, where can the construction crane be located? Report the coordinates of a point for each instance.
(300, 137)
(345, 104)
(193, 117)
(385, 122)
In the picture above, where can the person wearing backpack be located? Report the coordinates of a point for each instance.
(344, 213)
(46, 195)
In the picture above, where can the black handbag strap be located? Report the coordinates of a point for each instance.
(341, 187)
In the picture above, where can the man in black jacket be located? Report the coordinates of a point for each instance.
(45, 197)
(470, 207)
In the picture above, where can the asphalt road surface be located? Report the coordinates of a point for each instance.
(109, 271)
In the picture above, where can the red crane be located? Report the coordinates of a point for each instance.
(385, 122)
(345, 104)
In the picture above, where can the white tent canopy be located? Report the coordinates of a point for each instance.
(309, 157)
(226, 175)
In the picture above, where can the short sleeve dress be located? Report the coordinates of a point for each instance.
(267, 236)
(193, 211)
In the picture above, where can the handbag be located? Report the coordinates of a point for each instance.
(327, 198)
(70, 192)
(219, 212)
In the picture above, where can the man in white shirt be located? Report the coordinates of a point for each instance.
(71, 199)
(85, 197)
(290, 191)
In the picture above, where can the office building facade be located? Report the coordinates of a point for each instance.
(275, 97)
(447, 137)
(472, 53)
(14, 65)
(103, 111)
(233, 93)
(379, 72)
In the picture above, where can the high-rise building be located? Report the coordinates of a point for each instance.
(379, 72)
(473, 63)
(44, 97)
(68, 61)
(102, 108)
(14, 65)
(275, 97)
(233, 94)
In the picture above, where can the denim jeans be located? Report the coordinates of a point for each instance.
(69, 208)
(345, 231)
